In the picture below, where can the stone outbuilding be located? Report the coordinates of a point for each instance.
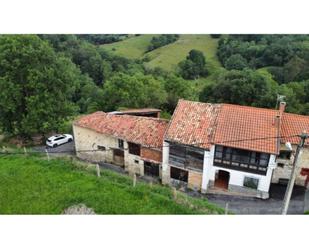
(131, 142)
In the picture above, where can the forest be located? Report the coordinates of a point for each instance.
(46, 80)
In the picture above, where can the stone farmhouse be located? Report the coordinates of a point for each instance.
(131, 142)
(205, 147)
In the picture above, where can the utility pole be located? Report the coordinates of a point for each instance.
(290, 186)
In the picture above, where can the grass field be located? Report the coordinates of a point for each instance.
(32, 185)
(134, 47)
(167, 57)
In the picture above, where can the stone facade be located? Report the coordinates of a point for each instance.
(284, 168)
(87, 140)
(195, 180)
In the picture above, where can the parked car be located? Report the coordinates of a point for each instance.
(56, 140)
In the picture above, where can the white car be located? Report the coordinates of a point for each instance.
(56, 140)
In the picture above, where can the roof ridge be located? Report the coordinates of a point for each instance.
(138, 117)
(295, 114)
(250, 107)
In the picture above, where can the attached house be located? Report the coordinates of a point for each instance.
(131, 142)
(231, 147)
(205, 147)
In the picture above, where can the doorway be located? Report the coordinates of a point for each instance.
(118, 157)
(222, 179)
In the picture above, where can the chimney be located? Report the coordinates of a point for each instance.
(281, 108)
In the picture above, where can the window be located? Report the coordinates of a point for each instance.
(285, 154)
(243, 160)
(151, 169)
(177, 150)
(58, 138)
(120, 143)
(136, 161)
(186, 157)
(101, 148)
(281, 165)
(283, 181)
(134, 149)
(179, 174)
(251, 182)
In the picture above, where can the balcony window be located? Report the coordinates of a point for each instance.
(243, 160)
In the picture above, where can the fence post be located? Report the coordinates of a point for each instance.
(25, 150)
(174, 193)
(47, 154)
(134, 180)
(98, 170)
(226, 211)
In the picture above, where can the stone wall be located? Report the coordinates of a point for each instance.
(285, 171)
(195, 180)
(86, 139)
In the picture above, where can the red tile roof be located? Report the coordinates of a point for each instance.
(202, 124)
(141, 130)
(248, 124)
(193, 123)
(293, 124)
(140, 110)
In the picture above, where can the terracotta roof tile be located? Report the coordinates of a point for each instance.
(193, 123)
(293, 124)
(141, 130)
(202, 124)
(246, 123)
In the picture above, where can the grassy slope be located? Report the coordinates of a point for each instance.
(133, 47)
(36, 186)
(169, 56)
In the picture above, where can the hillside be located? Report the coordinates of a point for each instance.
(167, 57)
(133, 47)
(33, 185)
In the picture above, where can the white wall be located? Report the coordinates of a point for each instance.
(165, 167)
(236, 177)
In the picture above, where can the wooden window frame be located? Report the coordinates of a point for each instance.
(120, 144)
(178, 175)
(186, 157)
(252, 163)
(134, 149)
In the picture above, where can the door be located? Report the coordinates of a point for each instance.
(118, 157)
(222, 179)
(151, 169)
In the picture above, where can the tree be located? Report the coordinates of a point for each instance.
(245, 87)
(132, 91)
(36, 85)
(194, 66)
(176, 89)
(296, 70)
(236, 61)
(162, 40)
